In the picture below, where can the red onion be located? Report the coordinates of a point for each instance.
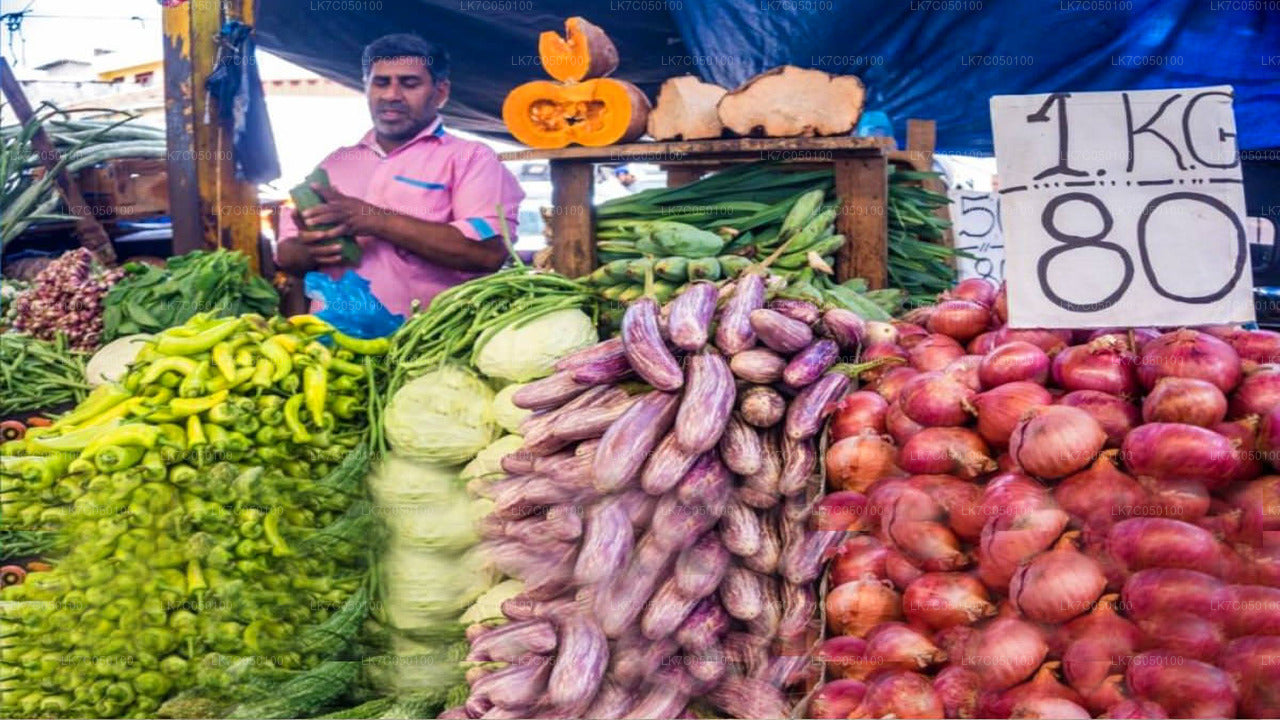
(1050, 341)
(1269, 437)
(1184, 400)
(1185, 500)
(1043, 686)
(934, 352)
(934, 399)
(1174, 451)
(946, 450)
(1222, 332)
(957, 688)
(1005, 652)
(965, 370)
(1105, 364)
(1056, 708)
(1259, 499)
(1136, 709)
(983, 344)
(959, 319)
(844, 655)
(976, 290)
(856, 413)
(1144, 543)
(857, 557)
(1185, 634)
(1190, 354)
(1252, 663)
(1187, 688)
(1000, 308)
(890, 383)
(1259, 566)
(1001, 408)
(910, 336)
(1011, 494)
(901, 571)
(912, 526)
(1244, 435)
(1112, 691)
(917, 316)
(943, 599)
(854, 463)
(1055, 441)
(840, 511)
(1013, 362)
(1101, 622)
(1258, 392)
(881, 351)
(897, 646)
(959, 499)
(1257, 346)
(899, 695)
(1100, 491)
(1252, 610)
(1057, 585)
(1149, 593)
(1008, 541)
(1136, 337)
(853, 608)
(836, 699)
(901, 428)
(1116, 415)
(1089, 661)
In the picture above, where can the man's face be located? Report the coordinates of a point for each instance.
(402, 98)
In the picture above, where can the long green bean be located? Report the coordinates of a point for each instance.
(37, 374)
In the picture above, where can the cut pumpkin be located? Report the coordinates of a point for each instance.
(790, 101)
(595, 113)
(686, 110)
(585, 52)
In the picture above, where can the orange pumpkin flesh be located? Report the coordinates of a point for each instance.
(594, 113)
(585, 52)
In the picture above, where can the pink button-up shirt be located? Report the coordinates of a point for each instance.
(436, 177)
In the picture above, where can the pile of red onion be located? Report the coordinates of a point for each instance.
(1054, 523)
(66, 298)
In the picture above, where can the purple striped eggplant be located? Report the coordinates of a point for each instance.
(707, 404)
(705, 669)
(798, 508)
(802, 562)
(514, 503)
(689, 322)
(590, 422)
(740, 529)
(799, 461)
(844, 326)
(758, 365)
(514, 558)
(665, 697)
(813, 404)
(733, 332)
(592, 353)
(522, 607)
(760, 490)
(809, 364)
(629, 440)
(761, 406)
(766, 623)
(701, 566)
(551, 579)
(582, 655)
(477, 705)
(520, 462)
(612, 702)
(639, 506)
(603, 370)
(606, 544)
(635, 658)
(740, 447)
(799, 609)
(740, 593)
(802, 310)
(646, 351)
(665, 611)
(749, 651)
(508, 642)
(766, 560)
(559, 522)
(704, 627)
(538, 428)
(677, 525)
(745, 697)
(784, 671)
(549, 392)
(779, 332)
(706, 479)
(622, 600)
(667, 465)
(518, 685)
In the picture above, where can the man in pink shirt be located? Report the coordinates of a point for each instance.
(422, 204)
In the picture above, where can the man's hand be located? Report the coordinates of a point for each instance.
(309, 249)
(351, 216)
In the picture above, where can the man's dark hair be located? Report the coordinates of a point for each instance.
(407, 45)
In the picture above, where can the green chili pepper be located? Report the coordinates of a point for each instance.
(243, 375)
(195, 432)
(100, 400)
(117, 457)
(293, 419)
(344, 384)
(345, 406)
(346, 368)
(274, 350)
(262, 373)
(181, 474)
(245, 358)
(169, 343)
(153, 467)
(223, 355)
(374, 346)
(224, 413)
(314, 391)
(157, 395)
(180, 365)
(68, 490)
(73, 439)
(182, 407)
(290, 384)
(271, 527)
(135, 434)
(247, 425)
(193, 384)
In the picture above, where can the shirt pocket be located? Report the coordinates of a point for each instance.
(421, 197)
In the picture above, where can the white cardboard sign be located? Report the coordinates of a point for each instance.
(1122, 208)
(976, 227)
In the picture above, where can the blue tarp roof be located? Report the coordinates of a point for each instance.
(939, 59)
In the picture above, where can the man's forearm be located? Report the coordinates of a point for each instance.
(441, 243)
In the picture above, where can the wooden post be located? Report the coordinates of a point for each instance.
(862, 219)
(922, 139)
(572, 232)
(210, 208)
(678, 175)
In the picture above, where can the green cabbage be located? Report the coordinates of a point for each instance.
(397, 480)
(445, 416)
(505, 412)
(423, 589)
(529, 351)
(489, 460)
(489, 606)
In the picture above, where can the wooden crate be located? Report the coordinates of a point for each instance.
(126, 188)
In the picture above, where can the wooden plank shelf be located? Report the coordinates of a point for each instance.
(861, 172)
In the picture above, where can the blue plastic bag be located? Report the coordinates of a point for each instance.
(350, 306)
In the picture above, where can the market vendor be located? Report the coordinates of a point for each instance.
(421, 202)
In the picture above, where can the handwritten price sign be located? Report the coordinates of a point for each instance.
(1122, 208)
(975, 218)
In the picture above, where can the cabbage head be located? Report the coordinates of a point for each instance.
(489, 606)
(489, 460)
(445, 416)
(424, 590)
(505, 412)
(397, 480)
(521, 353)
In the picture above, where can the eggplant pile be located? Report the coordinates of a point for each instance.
(659, 515)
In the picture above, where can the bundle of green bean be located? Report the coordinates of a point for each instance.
(461, 319)
(918, 261)
(37, 374)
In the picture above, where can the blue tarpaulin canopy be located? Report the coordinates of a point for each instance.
(939, 59)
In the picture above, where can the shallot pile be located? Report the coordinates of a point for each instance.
(659, 515)
(66, 298)
(1054, 523)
